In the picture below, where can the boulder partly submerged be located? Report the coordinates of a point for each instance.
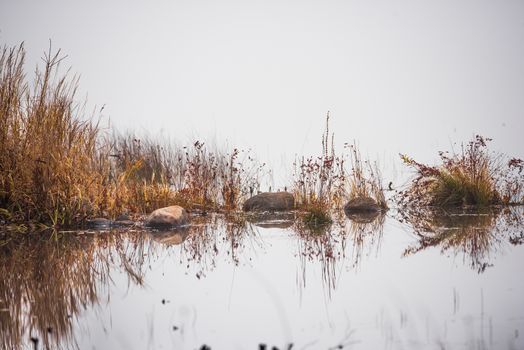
(167, 217)
(270, 201)
(362, 205)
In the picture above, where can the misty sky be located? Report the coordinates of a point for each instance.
(397, 76)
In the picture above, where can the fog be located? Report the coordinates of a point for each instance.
(408, 76)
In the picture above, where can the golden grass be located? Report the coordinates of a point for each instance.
(48, 154)
(475, 176)
(58, 167)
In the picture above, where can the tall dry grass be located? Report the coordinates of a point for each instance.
(365, 178)
(324, 182)
(49, 165)
(57, 166)
(152, 175)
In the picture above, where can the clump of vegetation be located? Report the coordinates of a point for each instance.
(323, 183)
(320, 182)
(316, 215)
(194, 177)
(365, 178)
(475, 176)
(59, 167)
(140, 175)
(49, 164)
(218, 179)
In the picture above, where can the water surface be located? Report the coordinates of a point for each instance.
(403, 281)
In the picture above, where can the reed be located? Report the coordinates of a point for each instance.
(365, 178)
(48, 153)
(323, 183)
(320, 182)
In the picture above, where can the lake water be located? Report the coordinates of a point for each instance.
(411, 281)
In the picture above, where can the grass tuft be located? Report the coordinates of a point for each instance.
(474, 177)
(323, 183)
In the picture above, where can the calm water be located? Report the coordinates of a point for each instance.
(417, 281)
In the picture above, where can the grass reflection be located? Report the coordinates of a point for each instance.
(328, 244)
(48, 281)
(476, 233)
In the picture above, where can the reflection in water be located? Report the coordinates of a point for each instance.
(366, 235)
(210, 237)
(49, 281)
(328, 243)
(281, 220)
(46, 283)
(476, 233)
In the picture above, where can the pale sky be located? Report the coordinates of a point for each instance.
(397, 76)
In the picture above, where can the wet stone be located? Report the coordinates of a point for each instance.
(169, 216)
(270, 201)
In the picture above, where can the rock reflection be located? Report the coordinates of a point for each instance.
(171, 237)
(281, 220)
(48, 280)
(366, 231)
(476, 233)
(201, 243)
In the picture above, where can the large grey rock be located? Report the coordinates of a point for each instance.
(270, 201)
(169, 216)
(362, 204)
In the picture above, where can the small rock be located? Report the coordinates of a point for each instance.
(270, 201)
(169, 216)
